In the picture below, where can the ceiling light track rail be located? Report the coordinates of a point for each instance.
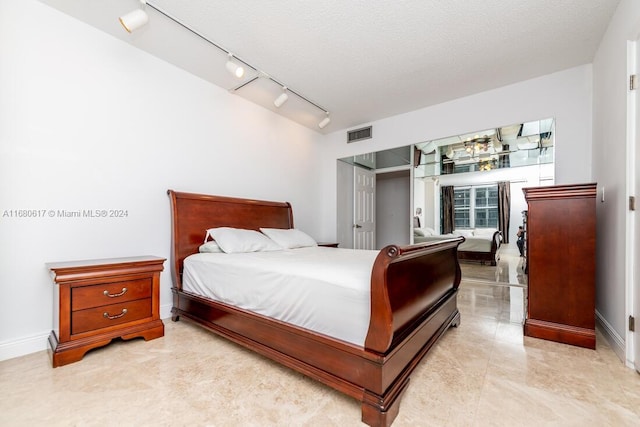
(298, 95)
(286, 88)
(244, 84)
(266, 76)
(162, 12)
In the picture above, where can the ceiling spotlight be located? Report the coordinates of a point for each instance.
(324, 121)
(234, 68)
(282, 98)
(135, 19)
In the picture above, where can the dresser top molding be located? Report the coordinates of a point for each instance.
(69, 271)
(561, 191)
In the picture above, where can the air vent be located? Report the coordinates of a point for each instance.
(358, 134)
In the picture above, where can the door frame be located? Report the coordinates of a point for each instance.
(632, 238)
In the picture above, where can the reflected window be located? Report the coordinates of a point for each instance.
(476, 207)
(486, 207)
(462, 206)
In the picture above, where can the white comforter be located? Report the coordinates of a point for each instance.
(326, 290)
(471, 244)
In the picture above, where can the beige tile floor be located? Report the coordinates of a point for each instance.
(483, 373)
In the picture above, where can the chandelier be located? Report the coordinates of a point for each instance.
(481, 152)
(486, 165)
(478, 144)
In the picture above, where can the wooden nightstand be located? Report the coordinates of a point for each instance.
(98, 300)
(328, 244)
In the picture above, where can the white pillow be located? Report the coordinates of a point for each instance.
(290, 238)
(424, 232)
(428, 231)
(488, 232)
(210, 247)
(237, 240)
(464, 233)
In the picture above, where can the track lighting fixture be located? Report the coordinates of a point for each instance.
(282, 98)
(138, 18)
(234, 68)
(324, 121)
(135, 19)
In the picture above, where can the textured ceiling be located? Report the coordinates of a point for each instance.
(363, 60)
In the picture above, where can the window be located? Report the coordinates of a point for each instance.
(476, 207)
(486, 207)
(462, 168)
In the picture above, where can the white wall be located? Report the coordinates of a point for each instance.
(90, 122)
(565, 95)
(610, 167)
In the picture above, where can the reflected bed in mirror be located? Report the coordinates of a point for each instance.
(460, 184)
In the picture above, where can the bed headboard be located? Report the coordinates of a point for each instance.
(192, 214)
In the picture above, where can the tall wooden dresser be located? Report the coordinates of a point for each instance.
(561, 247)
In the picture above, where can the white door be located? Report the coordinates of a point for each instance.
(364, 209)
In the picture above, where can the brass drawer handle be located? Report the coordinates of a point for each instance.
(117, 316)
(124, 291)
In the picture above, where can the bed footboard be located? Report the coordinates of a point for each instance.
(406, 283)
(413, 302)
(492, 257)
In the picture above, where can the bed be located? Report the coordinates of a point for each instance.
(412, 303)
(481, 245)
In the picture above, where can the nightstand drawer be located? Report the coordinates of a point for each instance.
(110, 293)
(109, 315)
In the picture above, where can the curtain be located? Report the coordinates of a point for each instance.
(417, 156)
(504, 159)
(448, 205)
(504, 209)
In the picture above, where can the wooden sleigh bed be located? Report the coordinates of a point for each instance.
(413, 303)
(491, 256)
(483, 248)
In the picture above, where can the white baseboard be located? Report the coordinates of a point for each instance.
(613, 338)
(39, 342)
(23, 346)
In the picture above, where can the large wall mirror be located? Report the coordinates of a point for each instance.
(469, 184)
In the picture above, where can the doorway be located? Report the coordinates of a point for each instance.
(393, 208)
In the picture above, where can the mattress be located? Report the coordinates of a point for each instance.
(325, 290)
(470, 244)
